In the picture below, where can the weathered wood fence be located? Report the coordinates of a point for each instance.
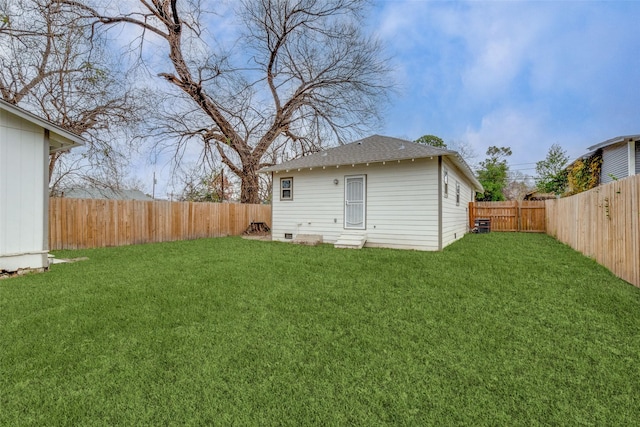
(91, 223)
(527, 216)
(604, 224)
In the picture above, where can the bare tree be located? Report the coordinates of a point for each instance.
(52, 64)
(517, 186)
(301, 73)
(199, 186)
(466, 151)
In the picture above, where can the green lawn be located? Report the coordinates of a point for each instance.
(498, 329)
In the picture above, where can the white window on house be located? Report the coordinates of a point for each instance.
(457, 193)
(286, 188)
(445, 180)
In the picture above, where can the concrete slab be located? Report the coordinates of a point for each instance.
(308, 239)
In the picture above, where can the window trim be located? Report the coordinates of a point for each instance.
(282, 190)
(457, 193)
(445, 180)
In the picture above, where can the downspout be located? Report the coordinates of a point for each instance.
(272, 200)
(439, 203)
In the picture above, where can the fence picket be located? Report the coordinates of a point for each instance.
(603, 224)
(87, 223)
(527, 216)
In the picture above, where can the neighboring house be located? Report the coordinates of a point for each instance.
(379, 191)
(25, 144)
(104, 193)
(620, 157)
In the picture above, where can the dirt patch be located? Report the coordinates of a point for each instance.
(21, 272)
(265, 237)
(24, 271)
(257, 231)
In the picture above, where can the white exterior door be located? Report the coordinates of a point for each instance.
(354, 201)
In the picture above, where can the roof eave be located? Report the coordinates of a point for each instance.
(456, 159)
(62, 138)
(59, 143)
(612, 141)
(285, 167)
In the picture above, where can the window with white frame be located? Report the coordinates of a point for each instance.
(457, 193)
(286, 188)
(445, 181)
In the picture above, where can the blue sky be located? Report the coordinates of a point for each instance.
(522, 74)
(512, 73)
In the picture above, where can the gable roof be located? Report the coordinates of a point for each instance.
(375, 149)
(59, 138)
(615, 140)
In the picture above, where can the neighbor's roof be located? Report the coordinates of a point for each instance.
(104, 193)
(615, 140)
(374, 149)
(59, 138)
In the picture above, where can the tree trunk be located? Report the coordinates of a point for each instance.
(250, 184)
(325, 76)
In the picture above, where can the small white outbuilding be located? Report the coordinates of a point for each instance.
(25, 143)
(376, 192)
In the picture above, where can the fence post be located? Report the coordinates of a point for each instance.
(472, 215)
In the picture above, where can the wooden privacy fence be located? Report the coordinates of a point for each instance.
(527, 216)
(92, 223)
(604, 224)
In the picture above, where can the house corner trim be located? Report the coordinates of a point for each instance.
(631, 156)
(440, 203)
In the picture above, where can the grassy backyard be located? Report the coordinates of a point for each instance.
(498, 329)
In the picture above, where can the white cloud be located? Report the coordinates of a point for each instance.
(522, 74)
(498, 38)
(520, 130)
(519, 74)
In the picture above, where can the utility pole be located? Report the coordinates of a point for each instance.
(153, 191)
(222, 183)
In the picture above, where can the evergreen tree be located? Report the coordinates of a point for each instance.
(432, 140)
(552, 176)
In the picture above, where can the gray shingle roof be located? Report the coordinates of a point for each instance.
(374, 149)
(105, 193)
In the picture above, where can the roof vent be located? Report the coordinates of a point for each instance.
(359, 142)
(401, 147)
(324, 154)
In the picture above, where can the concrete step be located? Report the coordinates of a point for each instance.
(308, 239)
(350, 240)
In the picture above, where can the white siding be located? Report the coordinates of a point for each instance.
(455, 217)
(401, 204)
(637, 157)
(23, 157)
(614, 162)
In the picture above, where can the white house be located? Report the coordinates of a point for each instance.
(620, 157)
(376, 192)
(25, 143)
